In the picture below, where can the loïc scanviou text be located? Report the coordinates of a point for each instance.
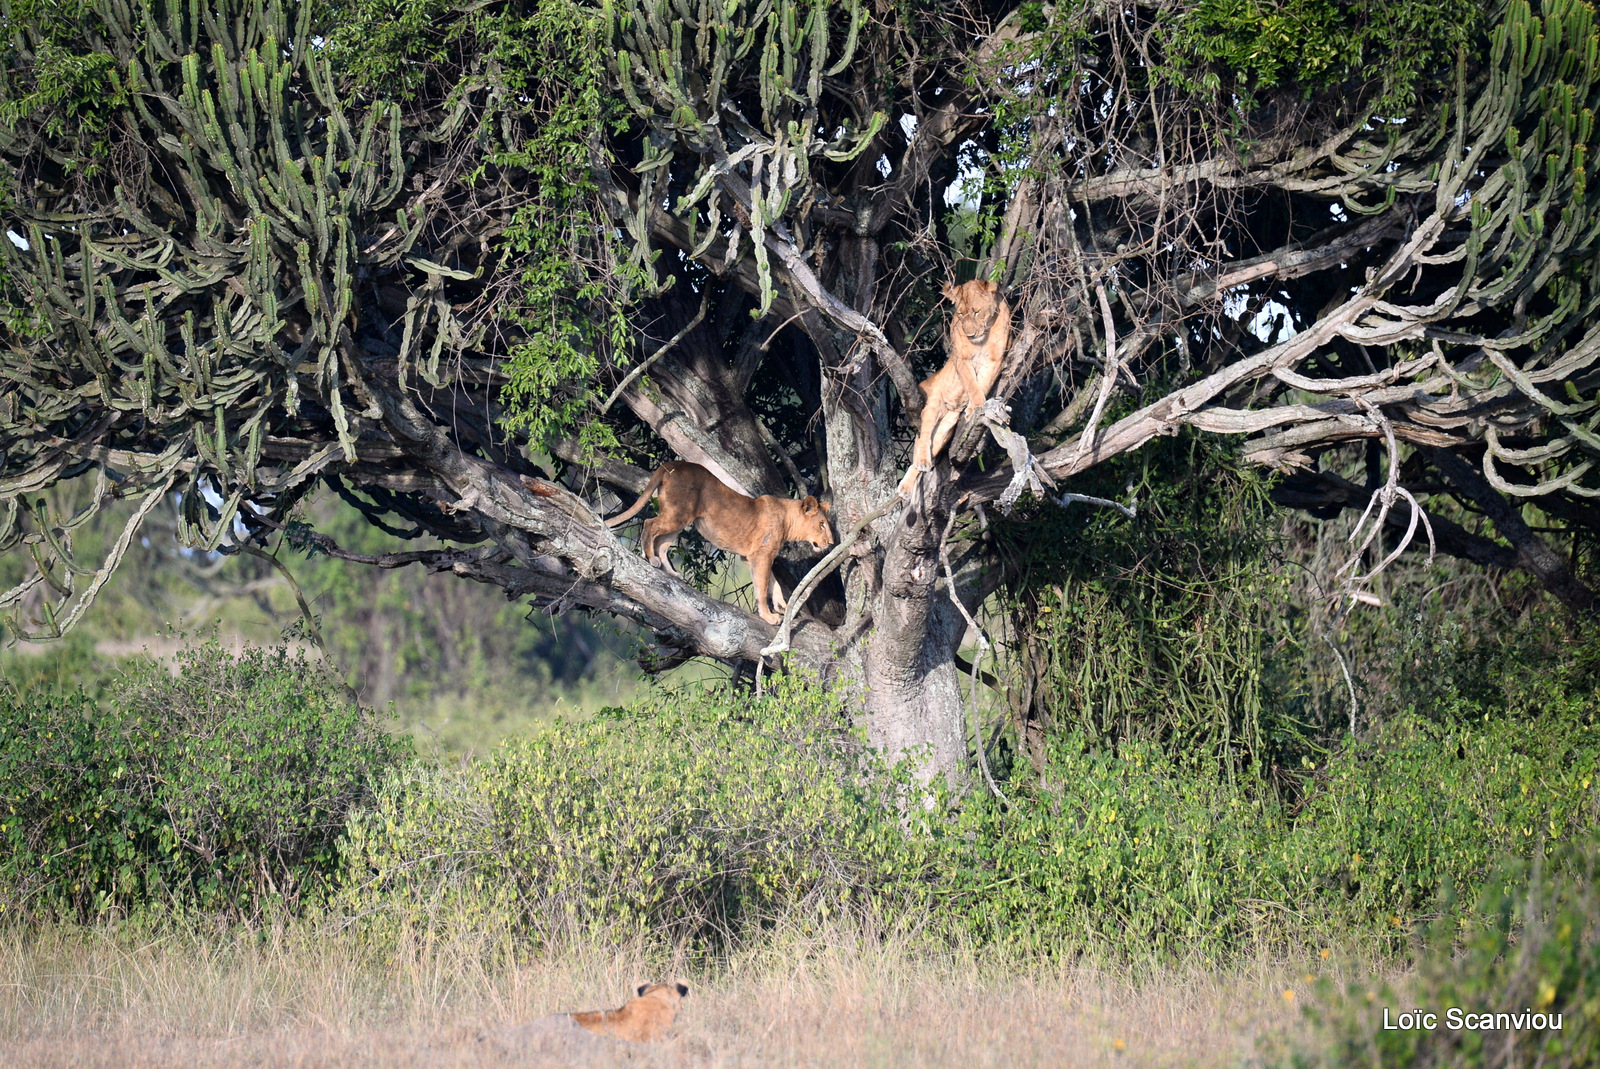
(1456, 1019)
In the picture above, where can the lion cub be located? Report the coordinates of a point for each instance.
(753, 527)
(979, 334)
(643, 1020)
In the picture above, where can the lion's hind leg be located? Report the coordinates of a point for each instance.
(657, 538)
(664, 543)
(661, 555)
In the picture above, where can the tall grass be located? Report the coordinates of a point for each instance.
(839, 995)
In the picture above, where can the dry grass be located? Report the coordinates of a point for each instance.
(86, 998)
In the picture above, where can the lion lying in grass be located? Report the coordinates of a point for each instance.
(644, 1019)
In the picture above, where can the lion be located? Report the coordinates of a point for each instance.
(979, 333)
(644, 1019)
(753, 527)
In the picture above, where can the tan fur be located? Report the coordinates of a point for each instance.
(979, 333)
(753, 527)
(643, 1020)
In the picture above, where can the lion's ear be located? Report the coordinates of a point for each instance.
(683, 989)
(826, 506)
(991, 285)
(642, 989)
(808, 504)
(949, 290)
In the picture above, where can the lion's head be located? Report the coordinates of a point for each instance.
(812, 525)
(977, 303)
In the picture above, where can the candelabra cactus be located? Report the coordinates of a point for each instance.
(466, 265)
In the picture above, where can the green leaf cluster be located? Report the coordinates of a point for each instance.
(1527, 945)
(693, 817)
(72, 90)
(222, 787)
(1259, 45)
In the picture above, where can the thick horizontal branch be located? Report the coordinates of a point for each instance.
(1324, 492)
(532, 519)
(1317, 253)
(608, 470)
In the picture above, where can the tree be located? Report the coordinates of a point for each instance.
(475, 265)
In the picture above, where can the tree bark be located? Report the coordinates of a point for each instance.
(1533, 552)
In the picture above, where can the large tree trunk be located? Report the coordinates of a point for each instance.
(913, 700)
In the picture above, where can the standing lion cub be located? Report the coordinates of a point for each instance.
(753, 527)
(643, 1020)
(979, 333)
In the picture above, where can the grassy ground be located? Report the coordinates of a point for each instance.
(88, 998)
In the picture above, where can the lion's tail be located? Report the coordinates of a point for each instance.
(650, 489)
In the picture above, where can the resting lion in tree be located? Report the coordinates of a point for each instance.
(644, 1019)
(979, 334)
(753, 527)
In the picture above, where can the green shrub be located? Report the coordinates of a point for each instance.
(1131, 850)
(702, 817)
(1125, 850)
(1531, 945)
(1423, 804)
(223, 786)
(692, 817)
(1469, 660)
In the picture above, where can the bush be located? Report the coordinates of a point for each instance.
(224, 786)
(1530, 946)
(1424, 804)
(1131, 850)
(693, 817)
(702, 818)
(1123, 849)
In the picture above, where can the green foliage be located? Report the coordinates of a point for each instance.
(1529, 946)
(687, 816)
(1316, 44)
(701, 818)
(1132, 850)
(223, 786)
(1476, 661)
(58, 79)
(1422, 804)
(575, 290)
(1158, 627)
(1123, 850)
(80, 92)
(547, 62)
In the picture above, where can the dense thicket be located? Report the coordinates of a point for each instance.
(250, 787)
(222, 787)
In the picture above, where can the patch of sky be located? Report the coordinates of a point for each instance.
(1272, 323)
(966, 191)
